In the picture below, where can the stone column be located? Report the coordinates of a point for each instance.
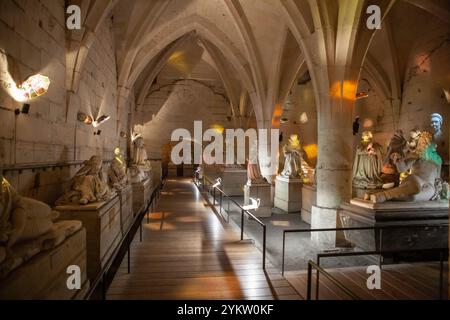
(335, 153)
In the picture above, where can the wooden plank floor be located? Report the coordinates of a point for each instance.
(398, 282)
(187, 252)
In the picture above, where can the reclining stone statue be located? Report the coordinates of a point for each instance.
(423, 164)
(140, 168)
(117, 172)
(87, 185)
(21, 219)
(367, 164)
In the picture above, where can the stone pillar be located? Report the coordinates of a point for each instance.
(335, 153)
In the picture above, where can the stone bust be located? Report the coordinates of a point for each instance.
(436, 124)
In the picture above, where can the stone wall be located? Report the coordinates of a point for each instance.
(33, 36)
(177, 104)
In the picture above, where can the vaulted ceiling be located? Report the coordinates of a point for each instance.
(255, 47)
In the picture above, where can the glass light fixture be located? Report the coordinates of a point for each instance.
(82, 117)
(362, 95)
(35, 86)
(100, 120)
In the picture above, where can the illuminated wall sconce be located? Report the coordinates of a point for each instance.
(254, 205)
(218, 183)
(361, 95)
(82, 117)
(135, 136)
(284, 120)
(100, 120)
(35, 86)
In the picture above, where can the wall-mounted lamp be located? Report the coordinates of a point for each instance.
(135, 136)
(35, 86)
(361, 95)
(218, 183)
(82, 117)
(100, 120)
(254, 205)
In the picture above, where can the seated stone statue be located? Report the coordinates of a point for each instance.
(87, 185)
(367, 164)
(141, 168)
(389, 172)
(293, 154)
(117, 172)
(423, 164)
(21, 218)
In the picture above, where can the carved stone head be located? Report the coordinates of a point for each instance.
(436, 122)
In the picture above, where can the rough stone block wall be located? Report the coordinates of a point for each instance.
(33, 37)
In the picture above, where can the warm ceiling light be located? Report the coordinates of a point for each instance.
(100, 120)
(362, 95)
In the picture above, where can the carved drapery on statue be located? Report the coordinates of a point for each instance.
(87, 185)
(295, 165)
(254, 175)
(140, 168)
(423, 165)
(21, 219)
(367, 164)
(117, 172)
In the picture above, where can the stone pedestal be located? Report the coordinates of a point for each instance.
(103, 233)
(259, 191)
(141, 195)
(309, 199)
(44, 275)
(188, 170)
(126, 208)
(156, 171)
(172, 170)
(233, 181)
(324, 218)
(288, 194)
(360, 213)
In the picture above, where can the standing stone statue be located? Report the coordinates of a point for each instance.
(424, 165)
(141, 168)
(254, 175)
(87, 185)
(436, 121)
(367, 164)
(117, 172)
(21, 219)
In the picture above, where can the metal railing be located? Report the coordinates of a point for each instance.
(375, 228)
(442, 253)
(203, 181)
(337, 283)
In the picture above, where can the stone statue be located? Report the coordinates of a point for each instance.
(21, 218)
(117, 172)
(140, 166)
(424, 165)
(254, 175)
(87, 185)
(389, 171)
(367, 164)
(436, 124)
(293, 154)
